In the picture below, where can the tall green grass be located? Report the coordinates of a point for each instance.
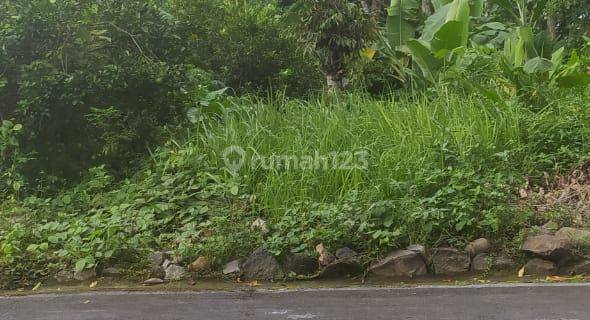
(404, 138)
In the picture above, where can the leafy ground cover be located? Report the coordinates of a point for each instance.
(441, 169)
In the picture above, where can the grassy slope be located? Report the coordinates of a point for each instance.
(441, 170)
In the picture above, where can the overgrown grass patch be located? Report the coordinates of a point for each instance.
(439, 170)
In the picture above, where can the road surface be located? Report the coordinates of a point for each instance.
(526, 302)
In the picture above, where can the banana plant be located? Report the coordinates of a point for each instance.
(445, 34)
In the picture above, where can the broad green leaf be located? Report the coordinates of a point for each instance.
(423, 57)
(81, 264)
(476, 8)
(459, 11)
(557, 56)
(402, 21)
(440, 3)
(447, 38)
(538, 65)
(435, 22)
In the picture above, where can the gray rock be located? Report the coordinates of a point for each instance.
(175, 272)
(547, 247)
(157, 258)
(111, 272)
(503, 262)
(166, 263)
(301, 265)
(481, 263)
(449, 261)
(232, 267)
(400, 263)
(572, 237)
(540, 267)
(153, 282)
(418, 248)
(577, 269)
(342, 268)
(478, 246)
(346, 253)
(84, 275)
(64, 276)
(261, 265)
(158, 272)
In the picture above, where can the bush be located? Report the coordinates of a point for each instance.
(86, 81)
(245, 44)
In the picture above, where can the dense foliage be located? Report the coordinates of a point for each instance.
(115, 117)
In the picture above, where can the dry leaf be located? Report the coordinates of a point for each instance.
(94, 284)
(253, 284)
(521, 272)
(561, 279)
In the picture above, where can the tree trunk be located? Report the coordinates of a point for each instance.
(334, 82)
(552, 25)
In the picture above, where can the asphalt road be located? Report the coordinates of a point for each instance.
(555, 302)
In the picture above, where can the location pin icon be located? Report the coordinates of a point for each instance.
(234, 158)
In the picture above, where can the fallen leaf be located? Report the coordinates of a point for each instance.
(94, 284)
(561, 279)
(253, 284)
(86, 301)
(521, 272)
(37, 287)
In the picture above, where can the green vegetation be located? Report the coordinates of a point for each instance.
(116, 119)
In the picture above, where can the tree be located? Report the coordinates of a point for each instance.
(335, 31)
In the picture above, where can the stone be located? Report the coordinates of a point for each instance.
(200, 264)
(342, 268)
(175, 272)
(176, 259)
(157, 258)
(158, 272)
(572, 237)
(478, 246)
(153, 282)
(232, 267)
(301, 265)
(260, 224)
(449, 261)
(481, 263)
(84, 275)
(503, 262)
(64, 276)
(547, 247)
(540, 267)
(166, 263)
(418, 248)
(325, 256)
(346, 253)
(400, 263)
(261, 265)
(111, 272)
(579, 268)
